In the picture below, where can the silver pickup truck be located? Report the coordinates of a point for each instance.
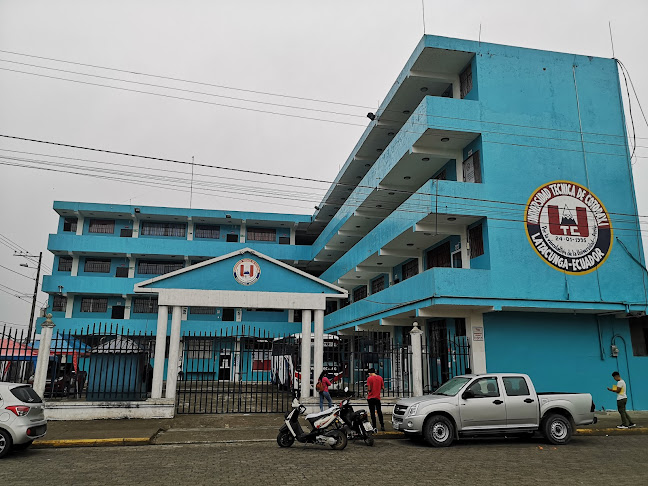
(494, 403)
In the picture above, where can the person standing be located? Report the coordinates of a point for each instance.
(622, 398)
(375, 385)
(322, 387)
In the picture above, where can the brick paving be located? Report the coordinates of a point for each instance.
(592, 460)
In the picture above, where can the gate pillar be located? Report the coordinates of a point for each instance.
(306, 354)
(318, 348)
(47, 329)
(160, 351)
(417, 361)
(174, 352)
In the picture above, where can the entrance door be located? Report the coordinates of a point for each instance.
(485, 409)
(224, 366)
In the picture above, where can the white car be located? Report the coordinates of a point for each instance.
(22, 417)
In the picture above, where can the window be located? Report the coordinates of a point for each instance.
(410, 269)
(200, 348)
(360, 293)
(331, 306)
(163, 229)
(476, 241)
(484, 388)
(441, 176)
(515, 386)
(157, 267)
(93, 304)
(96, 265)
(460, 326)
(207, 231)
(378, 285)
(639, 336)
(59, 304)
(465, 81)
(297, 315)
(262, 234)
(65, 264)
(228, 314)
(126, 233)
(284, 240)
(70, 224)
(121, 272)
(472, 168)
(202, 310)
(439, 256)
(232, 238)
(145, 305)
(104, 226)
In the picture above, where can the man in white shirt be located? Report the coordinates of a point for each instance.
(622, 399)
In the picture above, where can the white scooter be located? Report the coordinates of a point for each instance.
(325, 428)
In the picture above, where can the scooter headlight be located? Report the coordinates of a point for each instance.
(412, 410)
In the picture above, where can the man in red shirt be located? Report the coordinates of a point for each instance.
(375, 385)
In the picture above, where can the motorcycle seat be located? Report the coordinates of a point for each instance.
(315, 415)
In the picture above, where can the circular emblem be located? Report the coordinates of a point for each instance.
(247, 271)
(568, 227)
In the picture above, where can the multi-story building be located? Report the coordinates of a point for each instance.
(491, 197)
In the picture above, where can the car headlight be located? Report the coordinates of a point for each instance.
(413, 409)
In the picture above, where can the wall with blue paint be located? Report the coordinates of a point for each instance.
(563, 353)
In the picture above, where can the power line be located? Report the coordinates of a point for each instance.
(21, 274)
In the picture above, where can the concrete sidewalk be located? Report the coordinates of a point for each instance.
(196, 429)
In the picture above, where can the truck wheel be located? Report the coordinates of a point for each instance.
(5, 443)
(557, 429)
(285, 439)
(438, 431)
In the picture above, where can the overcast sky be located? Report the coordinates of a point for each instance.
(343, 51)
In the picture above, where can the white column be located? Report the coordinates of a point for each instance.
(243, 232)
(190, 230)
(127, 307)
(459, 158)
(47, 329)
(69, 305)
(136, 227)
(306, 354)
(79, 230)
(475, 331)
(465, 253)
(318, 348)
(174, 352)
(417, 361)
(74, 271)
(131, 266)
(160, 351)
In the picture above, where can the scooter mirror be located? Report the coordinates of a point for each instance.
(346, 389)
(295, 403)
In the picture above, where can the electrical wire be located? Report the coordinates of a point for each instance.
(18, 273)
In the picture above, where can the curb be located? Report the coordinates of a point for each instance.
(612, 431)
(123, 441)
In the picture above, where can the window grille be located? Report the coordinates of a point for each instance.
(70, 224)
(92, 304)
(410, 269)
(262, 234)
(121, 272)
(104, 226)
(232, 238)
(472, 168)
(439, 256)
(202, 310)
(475, 237)
(65, 264)
(284, 240)
(158, 268)
(144, 306)
(150, 228)
(378, 285)
(465, 81)
(96, 266)
(360, 293)
(59, 304)
(207, 231)
(200, 348)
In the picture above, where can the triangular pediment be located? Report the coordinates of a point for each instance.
(244, 270)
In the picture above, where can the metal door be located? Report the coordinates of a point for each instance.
(486, 409)
(522, 410)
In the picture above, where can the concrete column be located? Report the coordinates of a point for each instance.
(306, 354)
(131, 266)
(475, 331)
(174, 352)
(459, 158)
(190, 230)
(127, 307)
(417, 361)
(74, 271)
(136, 227)
(160, 351)
(47, 329)
(465, 251)
(243, 232)
(69, 306)
(318, 348)
(80, 221)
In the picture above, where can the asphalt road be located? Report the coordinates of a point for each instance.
(586, 460)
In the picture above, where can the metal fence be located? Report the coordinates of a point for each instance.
(17, 356)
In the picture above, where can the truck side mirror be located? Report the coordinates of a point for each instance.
(467, 394)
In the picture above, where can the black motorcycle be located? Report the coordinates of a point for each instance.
(324, 428)
(356, 424)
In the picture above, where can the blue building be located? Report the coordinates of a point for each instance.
(491, 199)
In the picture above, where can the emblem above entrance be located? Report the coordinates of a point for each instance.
(247, 271)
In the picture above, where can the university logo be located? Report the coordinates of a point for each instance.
(568, 227)
(247, 271)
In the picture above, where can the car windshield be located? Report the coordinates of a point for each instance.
(26, 394)
(452, 387)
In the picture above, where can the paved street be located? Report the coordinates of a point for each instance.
(587, 460)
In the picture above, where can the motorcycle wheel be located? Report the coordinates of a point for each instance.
(340, 439)
(369, 441)
(285, 439)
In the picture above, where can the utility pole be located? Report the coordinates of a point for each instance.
(33, 307)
